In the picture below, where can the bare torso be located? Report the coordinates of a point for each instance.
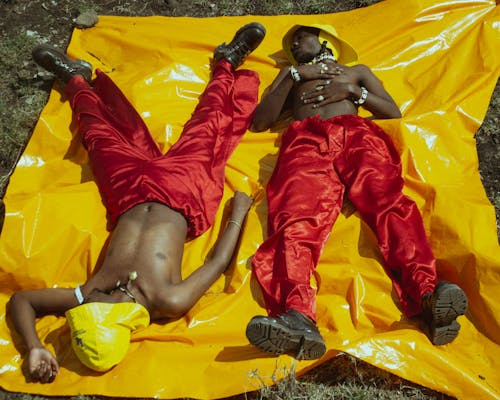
(302, 111)
(148, 239)
(324, 89)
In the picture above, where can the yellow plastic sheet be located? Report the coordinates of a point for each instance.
(439, 59)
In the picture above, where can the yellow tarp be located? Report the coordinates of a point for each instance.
(439, 58)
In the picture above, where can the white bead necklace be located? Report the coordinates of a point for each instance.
(322, 57)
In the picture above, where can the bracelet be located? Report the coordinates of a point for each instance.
(79, 295)
(295, 74)
(232, 221)
(362, 98)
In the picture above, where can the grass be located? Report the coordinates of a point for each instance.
(20, 103)
(345, 378)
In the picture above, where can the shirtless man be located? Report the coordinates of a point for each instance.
(326, 150)
(154, 203)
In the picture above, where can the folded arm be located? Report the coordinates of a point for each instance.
(358, 85)
(277, 99)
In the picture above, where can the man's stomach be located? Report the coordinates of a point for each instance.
(327, 111)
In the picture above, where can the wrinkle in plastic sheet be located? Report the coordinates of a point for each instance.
(439, 60)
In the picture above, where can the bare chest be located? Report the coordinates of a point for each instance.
(325, 105)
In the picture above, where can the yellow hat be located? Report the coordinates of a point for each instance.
(100, 332)
(343, 51)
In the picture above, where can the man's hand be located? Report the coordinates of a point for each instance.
(240, 205)
(42, 365)
(309, 72)
(329, 91)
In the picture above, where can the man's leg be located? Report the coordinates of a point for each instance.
(370, 167)
(103, 113)
(217, 125)
(304, 199)
(102, 106)
(118, 143)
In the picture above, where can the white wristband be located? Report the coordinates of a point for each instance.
(79, 295)
(362, 98)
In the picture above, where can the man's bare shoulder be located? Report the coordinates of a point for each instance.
(361, 70)
(359, 67)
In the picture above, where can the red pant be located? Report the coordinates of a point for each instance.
(318, 159)
(130, 169)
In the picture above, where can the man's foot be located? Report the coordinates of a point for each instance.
(244, 42)
(291, 332)
(55, 61)
(440, 310)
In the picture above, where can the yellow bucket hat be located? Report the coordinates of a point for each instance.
(343, 51)
(100, 332)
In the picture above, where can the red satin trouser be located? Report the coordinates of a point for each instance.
(130, 169)
(318, 160)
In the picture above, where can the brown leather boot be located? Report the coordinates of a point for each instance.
(55, 61)
(246, 40)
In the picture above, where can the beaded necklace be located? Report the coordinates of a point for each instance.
(323, 57)
(132, 276)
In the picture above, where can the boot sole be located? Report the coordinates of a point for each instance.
(274, 338)
(441, 335)
(450, 303)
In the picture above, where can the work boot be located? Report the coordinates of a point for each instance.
(246, 40)
(291, 332)
(440, 310)
(55, 61)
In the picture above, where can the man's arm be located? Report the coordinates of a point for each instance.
(349, 87)
(378, 101)
(176, 300)
(23, 308)
(273, 101)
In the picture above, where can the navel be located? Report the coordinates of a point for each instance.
(161, 256)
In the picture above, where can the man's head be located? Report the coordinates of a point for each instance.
(302, 43)
(100, 332)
